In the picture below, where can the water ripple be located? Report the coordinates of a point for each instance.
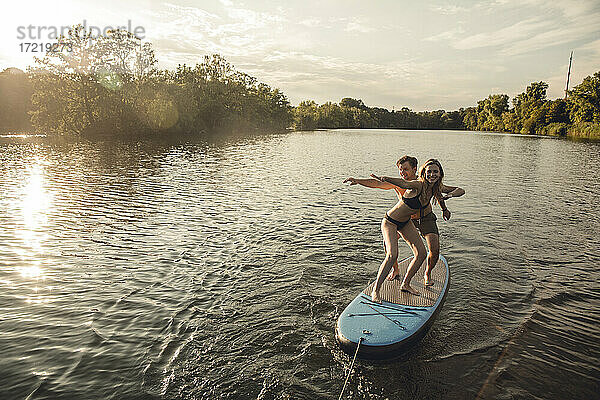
(217, 269)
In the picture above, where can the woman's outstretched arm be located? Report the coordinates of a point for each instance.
(401, 183)
(451, 191)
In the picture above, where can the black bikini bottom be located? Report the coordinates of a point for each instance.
(399, 224)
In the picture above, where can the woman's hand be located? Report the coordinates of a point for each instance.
(351, 180)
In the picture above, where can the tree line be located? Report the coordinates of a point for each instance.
(531, 113)
(353, 113)
(110, 85)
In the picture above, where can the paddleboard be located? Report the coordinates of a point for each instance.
(397, 323)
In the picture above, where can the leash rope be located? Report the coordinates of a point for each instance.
(350, 370)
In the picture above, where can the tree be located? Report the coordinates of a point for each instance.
(556, 111)
(349, 102)
(89, 88)
(15, 100)
(110, 85)
(509, 121)
(331, 115)
(305, 115)
(492, 109)
(527, 107)
(226, 99)
(470, 118)
(584, 100)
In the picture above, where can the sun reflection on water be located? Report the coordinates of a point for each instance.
(34, 203)
(31, 272)
(34, 207)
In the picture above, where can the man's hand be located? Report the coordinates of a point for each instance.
(447, 196)
(446, 214)
(351, 180)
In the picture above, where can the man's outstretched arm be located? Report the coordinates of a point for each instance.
(370, 182)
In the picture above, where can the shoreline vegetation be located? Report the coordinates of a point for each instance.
(577, 116)
(110, 86)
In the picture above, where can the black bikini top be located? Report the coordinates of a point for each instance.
(414, 202)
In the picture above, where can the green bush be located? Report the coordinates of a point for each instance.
(587, 130)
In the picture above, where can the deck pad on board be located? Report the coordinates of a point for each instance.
(390, 291)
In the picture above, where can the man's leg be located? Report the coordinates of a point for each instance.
(411, 235)
(429, 230)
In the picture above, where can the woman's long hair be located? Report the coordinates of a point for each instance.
(435, 189)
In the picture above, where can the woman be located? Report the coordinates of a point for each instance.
(416, 198)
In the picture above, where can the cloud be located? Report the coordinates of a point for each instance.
(568, 8)
(353, 24)
(447, 36)
(248, 20)
(448, 9)
(358, 25)
(585, 63)
(311, 56)
(552, 24)
(325, 78)
(312, 22)
(580, 27)
(592, 48)
(504, 36)
(328, 65)
(231, 32)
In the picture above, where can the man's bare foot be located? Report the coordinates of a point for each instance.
(407, 288)
(395, 274)
(427, 281)
(375, 297)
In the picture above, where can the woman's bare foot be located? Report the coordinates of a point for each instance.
(407, 288)
(427, 280)
(375, 297)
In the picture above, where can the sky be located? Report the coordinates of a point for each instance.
(424, 55)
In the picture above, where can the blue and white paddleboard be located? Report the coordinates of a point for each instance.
(393, 326)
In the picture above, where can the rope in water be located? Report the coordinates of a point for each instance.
(350, 370)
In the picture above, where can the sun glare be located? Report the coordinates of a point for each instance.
(31, 272)
(34, 211)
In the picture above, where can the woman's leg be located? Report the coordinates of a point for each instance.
(390, 239)
(395, 274)
(412, 237)
(433, 243)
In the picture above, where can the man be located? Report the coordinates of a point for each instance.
(425, 222)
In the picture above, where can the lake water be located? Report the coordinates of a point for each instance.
(217, 269)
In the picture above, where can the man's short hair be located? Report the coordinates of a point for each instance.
(412, 160)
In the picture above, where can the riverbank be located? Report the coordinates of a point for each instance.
(581, 130)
